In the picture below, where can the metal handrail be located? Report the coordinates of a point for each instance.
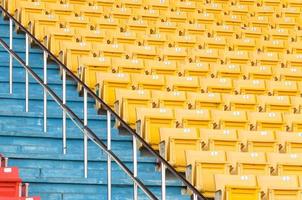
(72, 115)
(108, 108)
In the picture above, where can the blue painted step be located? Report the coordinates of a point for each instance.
(51, 174)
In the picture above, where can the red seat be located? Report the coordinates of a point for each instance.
(20, 198)
(9, 182)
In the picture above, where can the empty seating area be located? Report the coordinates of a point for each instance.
(11, 186)
(213, 85)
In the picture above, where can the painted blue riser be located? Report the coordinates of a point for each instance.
(51, 174)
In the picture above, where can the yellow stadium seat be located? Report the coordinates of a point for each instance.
(194, 69)
(88, 66)
(206, 55)
(11, 5)
(295, 47)
(77, 22)
(230, 119)
(273, 3)
(149, 82)
(107, 83)
(106, 4)
(194, 29)
(187, 84)
(149, 15)
(251, 32)
(201, 168)
(121, 13)
(73, 52)
(186, 6)
(58, 37)
(296, 103)
(262, 22)
(264, 10)
(161, 67)
(27, 9)
(236, 187)
(274, 103)
(108, 24)
(293, 60)
(257, 72)
(93, 13)
(246, 102)
(215, 8)
(173, 53)
(141, 52)
(258, 141)
(161, 5)
(285, 22)
(293, 3)
(219, 140)
(40, 25)
(232, 71)
(267, 59)
(278, 46)
(291, 12)
(256, 87)
(243, 44)
(278, 34)
(290, 142)
(110, 50)
(240, 10)
(280, 187)
(246, 2)
(237, 57)
(61, 10)
(232, 20)
(78, 2)
(204, 100)
(176, 16)
(204, 18)
(92, 36)
(127, 101)
(174, 144)
(215, 43)
(216, 85)
(246, 163)
(267, 121)
(184, 41)
(293, 121)
(123, 65)
(138, 26)
(175, 99)
(150, 120)
(157, 39)
(283, 88)
(134, 4)
(288, 74)
(166, 27)
(193, 118)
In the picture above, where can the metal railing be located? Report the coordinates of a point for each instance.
(87, 132)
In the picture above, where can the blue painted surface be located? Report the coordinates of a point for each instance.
(51, 174)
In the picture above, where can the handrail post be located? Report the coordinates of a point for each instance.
(108, 156)
(45, 92)
(26, 72)
(163, 181)
(10, 56)
(135, 197)
(85, 136)
(64, 113)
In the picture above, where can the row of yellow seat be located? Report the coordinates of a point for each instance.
(107, 83)
(250, 187)
(191, 100)
(176, 142)
(205, 165)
